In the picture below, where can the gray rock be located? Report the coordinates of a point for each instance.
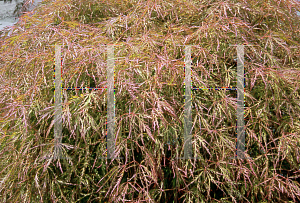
(7, 16)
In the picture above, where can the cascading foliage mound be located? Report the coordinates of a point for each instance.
(149, 102)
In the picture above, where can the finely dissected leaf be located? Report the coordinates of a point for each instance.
(149, 102)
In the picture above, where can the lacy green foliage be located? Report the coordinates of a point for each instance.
(149, 102)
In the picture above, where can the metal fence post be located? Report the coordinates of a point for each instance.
(188, 103)
(240, 145)
(110, 102)
(240, 125)
(188, 152)
(110, 137)
(58, 105)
